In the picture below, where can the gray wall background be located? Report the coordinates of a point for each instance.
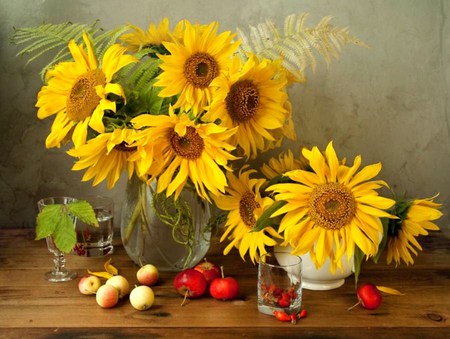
(389, 103)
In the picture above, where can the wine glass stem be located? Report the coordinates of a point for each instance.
(60, 262)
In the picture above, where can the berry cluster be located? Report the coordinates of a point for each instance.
(278, 297)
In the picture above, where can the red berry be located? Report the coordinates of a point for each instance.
(283, 302)
(282, 316)
(302, 314)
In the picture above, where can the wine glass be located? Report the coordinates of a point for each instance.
(60, 272)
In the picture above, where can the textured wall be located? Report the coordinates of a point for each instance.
(389, 103)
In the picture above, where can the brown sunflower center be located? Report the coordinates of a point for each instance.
(83, 99)
(242, 101)
(247, 205)
(123, 147)
(189, 146)
(332, 206)
(200, 69)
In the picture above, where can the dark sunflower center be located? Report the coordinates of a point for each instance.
(189, 146)
(242, 101)
(332, 206)
(83, 99)
(247, 205)
(123, 147)
(200, 69)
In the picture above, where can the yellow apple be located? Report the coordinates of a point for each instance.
(120, 283)
(142, 297)
(147, 275)
(107, 296)
(89, 284)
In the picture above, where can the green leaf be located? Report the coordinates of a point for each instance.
(83, 211)
(48, 220)
(65, 236)
(265, 220)
(358, 258)
(385, 222)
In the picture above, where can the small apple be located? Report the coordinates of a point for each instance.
(142, 297)
(190, 283)
(89, 284)
(147, 275)
(120, 283)
(107, 296)
(209, 270)
(224, 288)
(369, 296)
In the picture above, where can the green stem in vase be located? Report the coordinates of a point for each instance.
(137, 212)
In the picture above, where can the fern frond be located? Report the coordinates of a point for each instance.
(140, 75)
(41, 40)
(47, 36)
(297, 45)
(107, 39)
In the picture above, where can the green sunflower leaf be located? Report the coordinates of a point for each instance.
(385, 222)
(358, 258)
(265, 220)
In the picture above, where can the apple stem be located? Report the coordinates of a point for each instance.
(221, 270)
(352, 307)
(185, 297)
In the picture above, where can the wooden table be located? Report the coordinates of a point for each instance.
(33, 307)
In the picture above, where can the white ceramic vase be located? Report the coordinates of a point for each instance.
(321, 279)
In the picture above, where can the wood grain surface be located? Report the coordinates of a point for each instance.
(31, 307)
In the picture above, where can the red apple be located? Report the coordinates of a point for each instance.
(369, 296)
(89, 284)
(190, 283)
(147, 275)
(209, 270)
(224, 288)
(107, 296)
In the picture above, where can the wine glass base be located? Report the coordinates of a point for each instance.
(60, 276)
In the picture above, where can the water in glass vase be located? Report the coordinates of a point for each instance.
(156, 238)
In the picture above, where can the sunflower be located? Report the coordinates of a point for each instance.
(284, 163)
(414, 219)
(155, 36)
(245, 205)
(77, 92)
(252, 97)
(186, 150)
(192, 65)
(331, 209)
(105, 157)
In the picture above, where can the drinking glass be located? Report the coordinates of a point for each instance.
(279, 283)
(60, 272)
(95, 241)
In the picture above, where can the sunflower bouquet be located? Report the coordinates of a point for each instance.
(330, 210)
(190, 108)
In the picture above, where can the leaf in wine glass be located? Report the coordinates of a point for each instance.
(83, 211)
(47, 220)
(64, 235)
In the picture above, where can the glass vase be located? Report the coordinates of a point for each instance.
(170, 234)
